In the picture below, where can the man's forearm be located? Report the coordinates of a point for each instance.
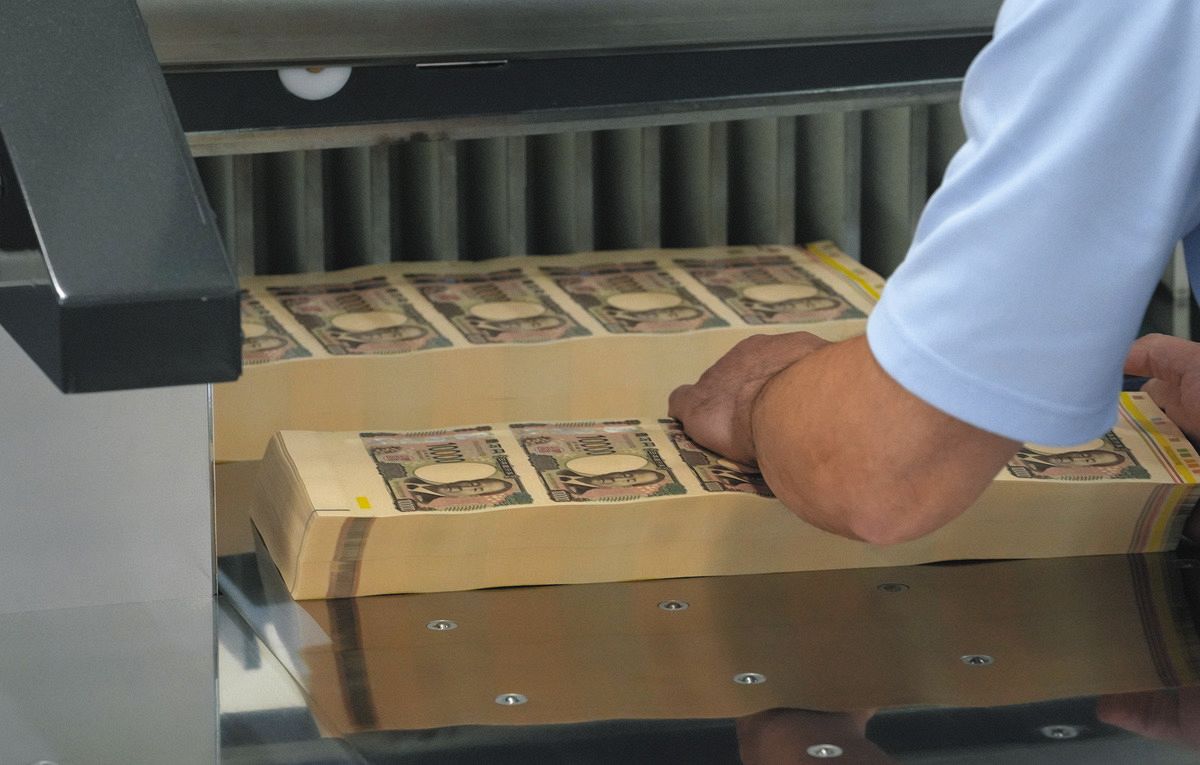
(848, 449)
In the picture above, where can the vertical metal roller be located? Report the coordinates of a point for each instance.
(694, 184)
(718, 171)
(229, 183)
(829, 179)
(785, 181)
(558, 210)
(426, 199)
(651, 188)
(1179, 291)
(618, 189)
(895, 182)
(753, 179)
(946, 135)
(292, 200)
(518, 192)
(360, 219)
(483, 210)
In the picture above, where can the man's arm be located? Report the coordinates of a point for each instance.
(838, 440)
(1028, 277)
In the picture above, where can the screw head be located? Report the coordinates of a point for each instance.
(977, 660)
(511, 699)
(892, 587)
(749, 678)
(441, 625)
(1060, 732)
(673, 605)
(825, 751)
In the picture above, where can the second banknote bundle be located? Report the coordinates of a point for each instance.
(420, 345)
(357, 513)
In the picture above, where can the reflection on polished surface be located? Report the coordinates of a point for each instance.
(1086, 660)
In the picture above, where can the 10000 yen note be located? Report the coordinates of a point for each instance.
(497, 307)
(597, 461)
(464, 469)
(714, 472)
(634, 297)
(769, 289)
(363, 317)
(1106, 458)
(263, 338)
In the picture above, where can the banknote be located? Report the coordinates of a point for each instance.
(597, 461)
(769, 289)
(363, 317)
(462, 469)
(1106, 458)
(498, 307)
(633, 297)
(714, 472)
(263, 337)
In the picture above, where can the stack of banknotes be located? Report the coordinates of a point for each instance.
(409, 346)
(361, 512)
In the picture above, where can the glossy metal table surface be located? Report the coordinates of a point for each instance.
(1088, 660)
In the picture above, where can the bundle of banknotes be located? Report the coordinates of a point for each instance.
(412, 346)
(541, 502)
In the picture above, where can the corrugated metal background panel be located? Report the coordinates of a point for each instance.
(859, 178)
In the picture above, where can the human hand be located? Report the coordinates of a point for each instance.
(1170, 715)
(1173, 366)
(716, 410)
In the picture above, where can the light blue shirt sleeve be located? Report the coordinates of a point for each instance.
(1033, 264)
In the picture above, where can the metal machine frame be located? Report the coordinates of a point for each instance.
(106, 555)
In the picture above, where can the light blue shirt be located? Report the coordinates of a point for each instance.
(1034, 262)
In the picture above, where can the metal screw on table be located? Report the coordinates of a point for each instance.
(977, 659)
(1060, 732)
(511, 699)
(749, 678)
(892, 587)
(825, 751)
(673, 605)
(441, 625)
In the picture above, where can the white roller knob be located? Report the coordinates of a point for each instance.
(314, 83)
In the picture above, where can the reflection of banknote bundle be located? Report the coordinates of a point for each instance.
(377, 671)
(598, 335)
(355, 513)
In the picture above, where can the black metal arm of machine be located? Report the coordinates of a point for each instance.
(132, 287)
